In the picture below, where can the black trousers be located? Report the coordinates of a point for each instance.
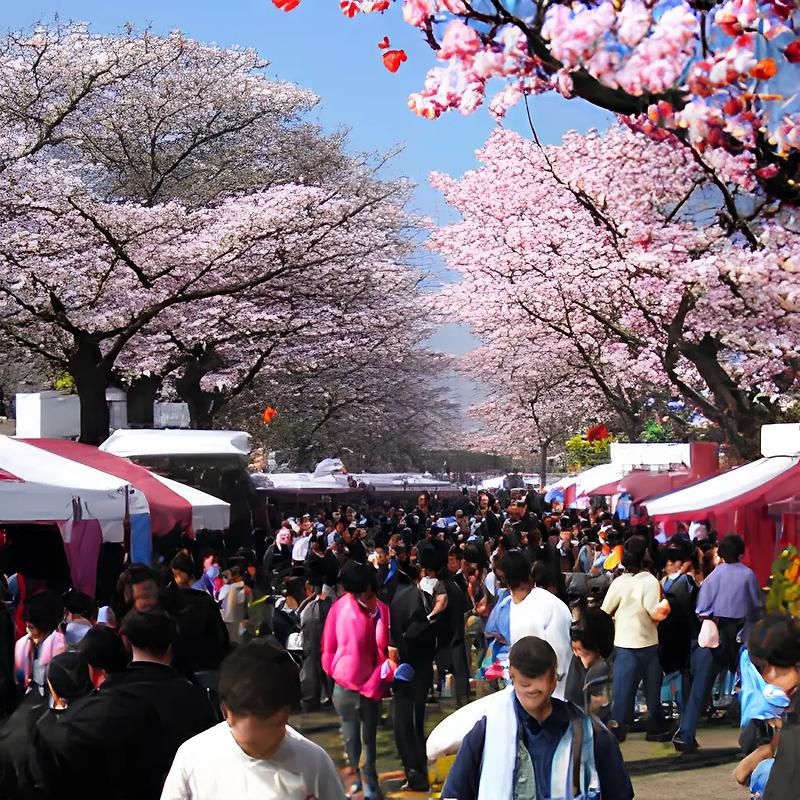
(409, 722)
(455, 660)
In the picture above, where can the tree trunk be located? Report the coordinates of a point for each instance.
(733, 408)
(202, 405)
(91, 380)
(544, 448)
(141, 397)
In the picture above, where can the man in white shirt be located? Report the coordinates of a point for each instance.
(537, 612)
(254, 753)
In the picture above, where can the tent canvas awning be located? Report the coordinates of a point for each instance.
(48, 487)
(170, 504)
(208, 512)
(729, 491)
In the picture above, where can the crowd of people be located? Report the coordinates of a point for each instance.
(582, 626)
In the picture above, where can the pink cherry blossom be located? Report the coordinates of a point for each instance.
(589, 297)
(614, 54)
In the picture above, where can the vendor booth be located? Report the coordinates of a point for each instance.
(96, 498)
(739, 501)
(640, 471)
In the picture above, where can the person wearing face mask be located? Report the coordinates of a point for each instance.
(770, 674)
(355, 642)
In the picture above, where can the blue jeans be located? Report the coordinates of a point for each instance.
(631, 667)
(705, 667)
(359, 717)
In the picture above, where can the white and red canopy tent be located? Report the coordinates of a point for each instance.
(95, 497)
(738, 501)
(40, 486)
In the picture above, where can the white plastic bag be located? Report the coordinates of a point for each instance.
(709, 634)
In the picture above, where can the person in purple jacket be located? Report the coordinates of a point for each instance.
(732, 598)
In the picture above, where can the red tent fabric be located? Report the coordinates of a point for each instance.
(167, 509)
(746, 514)
(642, 484)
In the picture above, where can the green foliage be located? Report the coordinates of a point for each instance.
(784, 586)
(582, 453)
(64, 383)
(655, 431)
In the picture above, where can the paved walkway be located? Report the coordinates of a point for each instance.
(716, 783)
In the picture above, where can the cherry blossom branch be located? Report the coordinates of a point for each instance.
(735, 218)
(598, 216)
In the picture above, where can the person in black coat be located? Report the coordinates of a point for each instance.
(8, 637)
(22, 763)
(490, 527)
(202, 636)
(414, 635)
(540, 550)
(277, 561)
(120, 741)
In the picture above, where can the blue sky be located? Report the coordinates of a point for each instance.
(316, 47)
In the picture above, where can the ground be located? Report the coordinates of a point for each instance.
(714, 783)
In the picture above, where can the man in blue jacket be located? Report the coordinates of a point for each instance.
(531, 745)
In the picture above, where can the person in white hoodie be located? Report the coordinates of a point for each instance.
(254, 754)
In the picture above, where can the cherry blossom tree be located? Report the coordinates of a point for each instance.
(378, 403)
(604, 255)
(166, 211)
(537, 398)
(721, 76)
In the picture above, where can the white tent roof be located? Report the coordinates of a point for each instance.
(208, 512)
(592, 478)
(129, 443)
(308, 483)
(723, 488)
(38, 486)
(302, 482)
(636, 454)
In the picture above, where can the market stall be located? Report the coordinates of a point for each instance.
(95, 498)
(738, 501)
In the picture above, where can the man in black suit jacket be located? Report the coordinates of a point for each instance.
(414, 635)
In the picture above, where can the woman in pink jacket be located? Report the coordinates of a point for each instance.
(355, 644)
